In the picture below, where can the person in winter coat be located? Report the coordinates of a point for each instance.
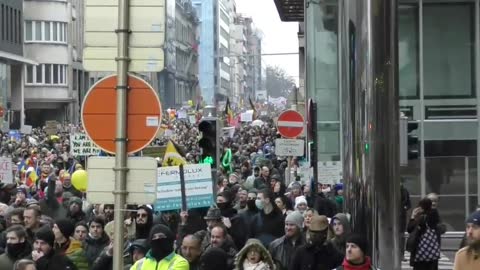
(235, 224)
(138, 249)
(17, 247)
(213, 259)
(269, 223)
(355, 254)
(191, 250)
(66, 245)
(161, 255)
(282, 248)
(44, 255)
(468, 258)
(341, 228)
(74, 211)
(144, 222)
(318, 253)
(254, 256)
(96, 240)
(426, 248)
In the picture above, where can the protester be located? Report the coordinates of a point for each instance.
(469, 257)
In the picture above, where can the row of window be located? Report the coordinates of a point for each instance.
(46, 74)
(46, 31)
(10, 22)
(184, 33)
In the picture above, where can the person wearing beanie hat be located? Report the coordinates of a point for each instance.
(74, 210)
(355, 254)
(469, 257)
(282, 248)
(301, 204)
(161, 254)
(65, 244)
(44, 255)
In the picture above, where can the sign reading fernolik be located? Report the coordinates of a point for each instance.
(198, 187)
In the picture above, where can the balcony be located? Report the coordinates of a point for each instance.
(290, 10)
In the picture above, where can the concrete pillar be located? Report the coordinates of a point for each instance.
(369, 83)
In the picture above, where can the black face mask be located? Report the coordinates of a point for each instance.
(251, 205)
(15, 249)
(318, 238)
(222, 206)
(161, 248)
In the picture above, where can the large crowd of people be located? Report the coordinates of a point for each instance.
(258, 220)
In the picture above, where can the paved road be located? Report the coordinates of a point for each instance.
(445, 262)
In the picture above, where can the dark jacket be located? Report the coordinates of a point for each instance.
(93, 247)
(421, 224)
(267, 228)
(312, 257)
(7, 261)
(55, 261)
(50, 205)
(324, 206)
(142, 231)
(239, 229)
(339, 242)
(105, 261)
(282, 249)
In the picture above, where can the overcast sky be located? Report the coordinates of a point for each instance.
(278, 36)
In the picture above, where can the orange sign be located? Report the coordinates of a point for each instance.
(99, 111)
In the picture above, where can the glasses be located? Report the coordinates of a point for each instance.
(141, 215)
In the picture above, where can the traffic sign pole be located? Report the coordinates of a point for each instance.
(120, 192)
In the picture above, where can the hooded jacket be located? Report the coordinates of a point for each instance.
(339, 241)
(142, 231)
(264, 255)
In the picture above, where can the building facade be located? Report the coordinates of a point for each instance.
(207, 12)
(53, 37)
(438, 86)
(238, 61)
(12, 64)
(179, 82)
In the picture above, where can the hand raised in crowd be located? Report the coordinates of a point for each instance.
(183, 217)
(37, 255)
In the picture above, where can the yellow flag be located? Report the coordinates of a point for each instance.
(172, 156)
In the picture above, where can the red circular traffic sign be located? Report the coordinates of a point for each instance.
(144, 114)
(290, 124)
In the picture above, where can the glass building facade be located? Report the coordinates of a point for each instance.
(438, 73)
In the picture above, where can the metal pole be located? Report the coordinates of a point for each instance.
(467, 188)
(121, 131)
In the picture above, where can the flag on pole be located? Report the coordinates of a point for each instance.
(253, 108)
(229, 112)
(173, 155)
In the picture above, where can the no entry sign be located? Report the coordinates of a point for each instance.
(290, 124)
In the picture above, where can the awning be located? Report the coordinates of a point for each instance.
(16, 58)
(290, 10)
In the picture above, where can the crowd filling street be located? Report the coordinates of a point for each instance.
(258, 220)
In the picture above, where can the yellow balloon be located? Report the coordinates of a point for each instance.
(80, 180)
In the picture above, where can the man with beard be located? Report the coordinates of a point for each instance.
(144, 222)
(74, 212)
(318, 253)
(469, 257)
(108, 212)
(161, 255)
(17, 247)
(282, 248)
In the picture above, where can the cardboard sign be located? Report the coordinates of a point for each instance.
(81, 145)
(51, 127)
(6, 170)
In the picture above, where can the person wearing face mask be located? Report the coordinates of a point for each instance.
(234, 223)
(251, 209)
(17, 247)
(161, 255)
(317, 253)
(268, 224)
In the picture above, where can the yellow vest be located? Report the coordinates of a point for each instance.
(171, 262)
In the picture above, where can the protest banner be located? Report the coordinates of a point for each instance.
(6, 170)
(81, 145)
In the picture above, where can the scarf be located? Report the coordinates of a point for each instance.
(255, 266)
(366, 265)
